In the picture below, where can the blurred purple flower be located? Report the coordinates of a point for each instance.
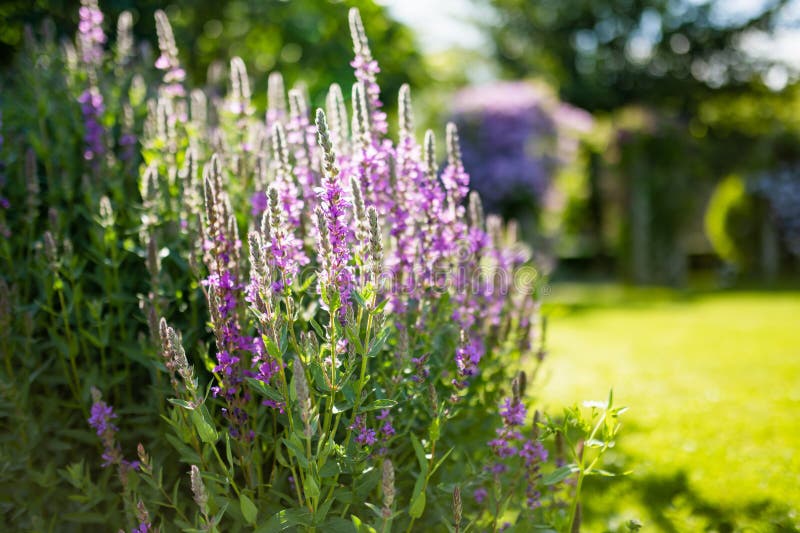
(514, 137)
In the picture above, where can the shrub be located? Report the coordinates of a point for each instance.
(364, 364)
(517, 136)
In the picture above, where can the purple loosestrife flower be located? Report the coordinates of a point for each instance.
(402, 219)
(91, 37)
(168, 61)
(258, 203)
(371, 159)
(92, 109)
(336, 112)
(237, 353)
(127, 139)
(300, 140)
(100, 420)
(366, 69)
(513, 412)
(364, 436)
(283, 251)
(434, 243)
(468, 356)
(276, 99)
(290, 198)
(335, 275)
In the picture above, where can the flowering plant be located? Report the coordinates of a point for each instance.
(364, 318)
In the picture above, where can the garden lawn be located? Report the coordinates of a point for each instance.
(713, 384)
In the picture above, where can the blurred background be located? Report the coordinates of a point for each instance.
(650, 150)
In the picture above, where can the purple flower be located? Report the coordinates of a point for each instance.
(533, 451)
(468, 355)
(480, 495)
(101, 416)
(168, 61)
(100, 421)
(364, 436)
(513, 412)
(366, 69)
(335, 276)
(258, 203)
(90, 33)
(92, 109)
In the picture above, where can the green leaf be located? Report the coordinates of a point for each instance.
(383, 403)
(249, 510)
(285, 519)
(358, 298)
(417, 506)
(420, 451)
(361, 527)
(342, 406)
(322, 512)
(434, 429)
(329, 469)
(206, 431)
(187, 454)
(181, 403)
(311, 487)
(366, 483)
(317, 328)
(337, 524)
(380, 340)
(264, 389)
(228, 454)
(560, 474)
(441, 460)
(272, 348)
(295, 447)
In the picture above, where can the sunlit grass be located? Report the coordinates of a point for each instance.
(713, 383)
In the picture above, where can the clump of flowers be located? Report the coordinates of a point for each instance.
(371, 310)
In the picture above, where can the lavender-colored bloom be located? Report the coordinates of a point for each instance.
(276, 99)
(291, 200)
(168, 61)
(504, 446)
(91, 37)
(371, 158)
(366, 69)
(100, 420)
(404, 179)
(300, 141)
(513, 412)
(101, 416)
(92, 109)
(480, 495)
(258, 203)
(533, 451)
(468, 356)
(334, 236)
(283, 251)
(364, 436)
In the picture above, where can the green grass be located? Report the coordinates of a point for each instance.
(713, 385)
